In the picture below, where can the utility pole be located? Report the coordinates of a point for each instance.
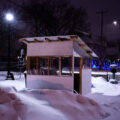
(9, 18)
(103, 44)
(102, 13)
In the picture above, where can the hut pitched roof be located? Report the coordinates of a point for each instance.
(74, 38)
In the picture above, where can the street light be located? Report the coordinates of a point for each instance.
(115, 23)
(9, 18)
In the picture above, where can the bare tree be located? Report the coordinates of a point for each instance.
(54, 17)
(41, 18)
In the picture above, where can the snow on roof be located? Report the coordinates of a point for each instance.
(75, 38)
(47, 38)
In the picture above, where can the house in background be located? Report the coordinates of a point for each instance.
(61, 61)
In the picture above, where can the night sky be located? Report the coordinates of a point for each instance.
(92, 6)
(113, 13)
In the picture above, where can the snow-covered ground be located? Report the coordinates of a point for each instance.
(108, 97)
(103, 73)
(19, 103)
(18, 83)
(100, 85)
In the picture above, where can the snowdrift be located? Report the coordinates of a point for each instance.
(46, 105)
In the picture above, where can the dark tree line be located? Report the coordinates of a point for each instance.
(41, 18)
(54, 17)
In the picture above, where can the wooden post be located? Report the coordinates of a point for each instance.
(51, 62)
(90, 63)
(72, 65)
(37, 63)
(80, 83)
(28, 65)
(60, 65)
(86, 60)
(48, 65)
(73, 71)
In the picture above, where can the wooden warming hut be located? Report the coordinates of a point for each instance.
(64, 61)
